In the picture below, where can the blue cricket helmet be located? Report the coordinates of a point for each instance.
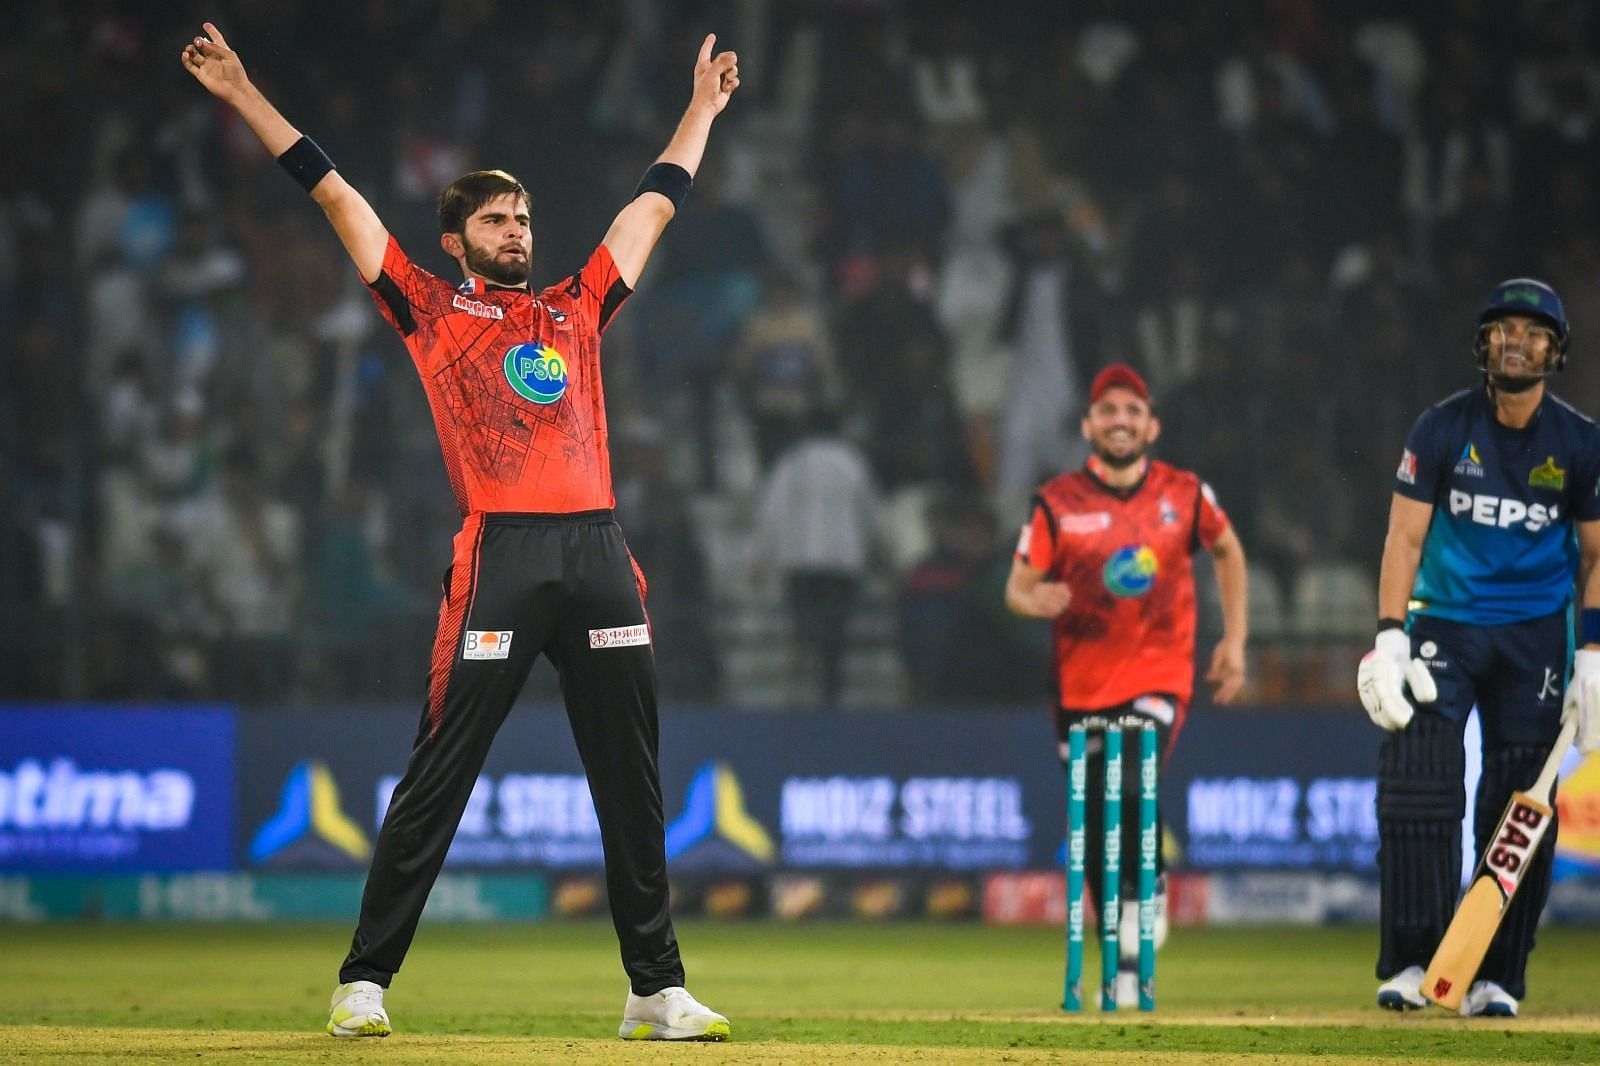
(1531, 297)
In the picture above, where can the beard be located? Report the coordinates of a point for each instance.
(487, 264)
(1515, 383)
(1116, 461)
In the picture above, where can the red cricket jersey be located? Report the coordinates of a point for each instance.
(1126, 556)
(513, 379)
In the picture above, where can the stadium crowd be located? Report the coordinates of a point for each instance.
(921, 228)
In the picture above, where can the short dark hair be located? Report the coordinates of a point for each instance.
(471, 191)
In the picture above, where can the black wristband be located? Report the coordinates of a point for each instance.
(1589, 626)
(668, 179)
(306, 163)
(1390, 623)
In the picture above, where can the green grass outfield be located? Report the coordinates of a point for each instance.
(810, 993)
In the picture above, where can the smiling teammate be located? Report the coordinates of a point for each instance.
(1106, 556)
(1481, 560)
(540, 567)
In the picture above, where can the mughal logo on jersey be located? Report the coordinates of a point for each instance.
(477, 308)
(1469, 465)
(1093, 522)
(1547, 475)
(1130, 571)
(536, 372)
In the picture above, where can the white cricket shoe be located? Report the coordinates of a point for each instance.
(671, 1014)
(1127, 989)
(1485, 999)
(357, 1010)
(1403, 991)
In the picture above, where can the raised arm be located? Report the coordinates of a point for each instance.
(637, 227)
(216, 65)
(1226, 672)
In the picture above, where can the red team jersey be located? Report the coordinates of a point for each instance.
(513, 380)
(1126, 556)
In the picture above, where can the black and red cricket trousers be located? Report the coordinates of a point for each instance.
(522, 585)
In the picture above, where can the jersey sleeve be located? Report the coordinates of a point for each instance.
(1210, 520)
(1586, 493)
(1036, 546)
(1417, 476)
(403, 291)
(598, 289)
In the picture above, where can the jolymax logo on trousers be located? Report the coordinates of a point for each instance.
(619, 637)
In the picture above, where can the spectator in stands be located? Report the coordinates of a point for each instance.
(784, 363)
(958, 643)
(1182, 147)
(245, 558)
(818, 528)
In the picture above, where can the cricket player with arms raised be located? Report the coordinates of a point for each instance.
(1494, 528)
(1106, 557)
(512, 375)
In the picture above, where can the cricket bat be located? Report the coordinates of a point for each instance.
(1512, 847)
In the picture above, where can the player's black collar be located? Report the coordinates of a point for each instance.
(1119, 492)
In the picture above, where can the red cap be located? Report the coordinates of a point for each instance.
(1118, 376)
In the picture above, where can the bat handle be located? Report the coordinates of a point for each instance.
(1540, 790)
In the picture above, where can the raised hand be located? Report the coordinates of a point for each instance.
(715, 78)
(214, 64)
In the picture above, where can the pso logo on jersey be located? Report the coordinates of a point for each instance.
(1130, 571)
(536, 372)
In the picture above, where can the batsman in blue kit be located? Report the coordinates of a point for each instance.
(1494, 531)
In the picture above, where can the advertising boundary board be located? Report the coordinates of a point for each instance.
(920, 794)
(90, 791)
(104, 789)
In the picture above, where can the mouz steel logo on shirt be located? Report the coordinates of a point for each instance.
(537, 372)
